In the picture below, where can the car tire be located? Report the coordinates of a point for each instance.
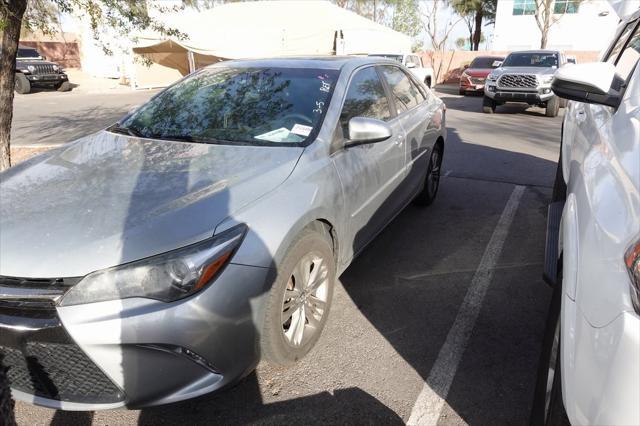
(294, 302)
(427, 81)
(553, 106)
(488, 105)
(22, 85)
(563, 103)
(65, 86)
(462, 92)
(548, 407)
(6, 402)
(432, 180)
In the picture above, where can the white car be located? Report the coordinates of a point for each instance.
(589, 370)
(415, 65)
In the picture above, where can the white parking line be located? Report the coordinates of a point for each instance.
(428, 406)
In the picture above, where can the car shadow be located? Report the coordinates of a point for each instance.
(460, 103)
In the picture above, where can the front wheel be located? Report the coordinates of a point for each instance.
(548, 408)
(65, 86)
(488, 105)
(299, 300)
(22, 85)
(6, 403)
(552, 108)
(432, 181)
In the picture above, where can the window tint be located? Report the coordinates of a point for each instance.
(405, 93)
(414, 60)
(27, 53)
(619, 44)
(365, 98)
(625, 59)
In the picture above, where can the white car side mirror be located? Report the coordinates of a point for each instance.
(593, 83)
(410, 65)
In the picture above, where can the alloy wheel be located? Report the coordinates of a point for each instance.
(551, 371)
(433, 176)
(305, 299)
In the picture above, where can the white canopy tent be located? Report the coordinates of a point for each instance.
(266, 29)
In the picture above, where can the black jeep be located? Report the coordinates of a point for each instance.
(33, 70)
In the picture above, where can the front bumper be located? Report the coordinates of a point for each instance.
(530, 96)
(46, 78)
(471, 85)
(136, 353)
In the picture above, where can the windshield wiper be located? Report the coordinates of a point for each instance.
(184, 138)
(118, 128)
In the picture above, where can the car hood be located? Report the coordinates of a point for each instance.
(109, 199)
(26, 62)
(526, 70)
(478, 72)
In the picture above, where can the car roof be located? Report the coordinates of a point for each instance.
(541, 51)
(324, 62)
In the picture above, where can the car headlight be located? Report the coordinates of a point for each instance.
(546, 79)
(31, 68)
(464, 74)
(56, 68)
(166, 277)
(492, 77)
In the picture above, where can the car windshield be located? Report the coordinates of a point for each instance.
(397, 58)
(24, 53)
(484, 62)
(283, 106)
(543, 60)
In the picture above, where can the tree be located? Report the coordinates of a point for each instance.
(438, 35)
(376, 10)
(474, 12)
(546, 16)
(406, 18)
(125, 16)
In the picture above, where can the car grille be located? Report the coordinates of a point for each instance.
(519, 81)
(44, 69)
(58, 371)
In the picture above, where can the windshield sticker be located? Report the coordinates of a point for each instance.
(318, 108)
(279, 135)
(301, 129)
(325, 87)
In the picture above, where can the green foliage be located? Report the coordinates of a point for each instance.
(122, 16)
(406, 17)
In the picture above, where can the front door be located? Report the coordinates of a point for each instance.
(372, 173)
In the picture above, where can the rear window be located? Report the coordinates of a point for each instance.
(484, 62)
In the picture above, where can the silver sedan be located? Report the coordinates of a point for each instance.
(161, 258)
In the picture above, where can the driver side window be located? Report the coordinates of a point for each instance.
(365, 98)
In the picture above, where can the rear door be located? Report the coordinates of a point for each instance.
(414, 113)
(372, 173)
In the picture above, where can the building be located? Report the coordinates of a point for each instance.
(580, 25)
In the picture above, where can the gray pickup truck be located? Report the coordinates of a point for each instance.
(34, 70)
(525, 77)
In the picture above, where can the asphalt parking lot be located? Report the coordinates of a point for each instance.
(440, 320)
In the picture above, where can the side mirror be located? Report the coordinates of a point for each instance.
(496, 64)
(465, 66)
(593, 83)
(364, 130)
(410, 65)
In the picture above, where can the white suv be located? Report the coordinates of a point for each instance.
(589, 371)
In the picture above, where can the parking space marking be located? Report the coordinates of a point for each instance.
(431, 400)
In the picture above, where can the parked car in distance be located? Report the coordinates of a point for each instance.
(525, 77)
(33, 70)
(473, 77)
(414, 63)
(160, 259)
(589, 370)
